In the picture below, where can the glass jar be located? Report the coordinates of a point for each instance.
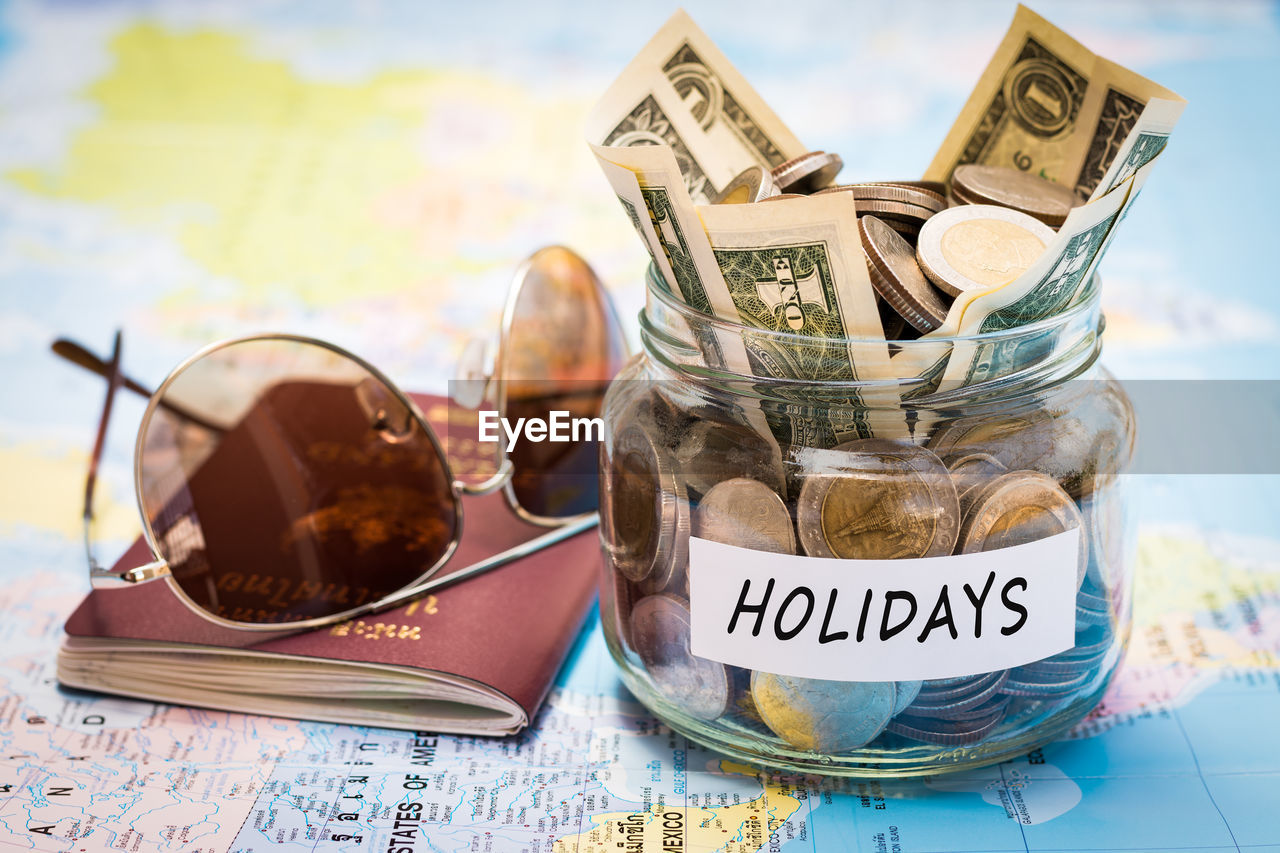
(919, 572)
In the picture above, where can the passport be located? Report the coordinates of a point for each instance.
(477, 657)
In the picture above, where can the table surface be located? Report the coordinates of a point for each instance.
(371, 174)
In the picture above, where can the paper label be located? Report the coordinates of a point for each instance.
(883, 620)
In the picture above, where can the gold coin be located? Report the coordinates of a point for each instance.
(884, 500)
(1021, 507)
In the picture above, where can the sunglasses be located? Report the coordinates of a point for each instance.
(284, 482)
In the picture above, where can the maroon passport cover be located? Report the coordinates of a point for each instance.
(509, 628)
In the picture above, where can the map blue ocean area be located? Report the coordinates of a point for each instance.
(365, 217)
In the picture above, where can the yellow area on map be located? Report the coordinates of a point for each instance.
(323, 190)
(740, 828)
(54, 501)
(1180, 577)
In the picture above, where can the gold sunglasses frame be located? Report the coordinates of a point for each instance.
(158, 569)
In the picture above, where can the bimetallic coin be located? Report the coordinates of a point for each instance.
(890, 500)
(808, 172)
(660, 630)
(752, 185)
(1021, 507)
(1008, 187)
(979, 247)
(823, 716)
(647, 507)
(897, 278)
(746, 513)
(971, 470)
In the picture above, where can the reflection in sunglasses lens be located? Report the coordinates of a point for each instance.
(563, 346)
(319, 493)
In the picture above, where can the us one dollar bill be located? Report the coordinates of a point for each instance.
(1047, 105)
(682, 92)
(796, 267)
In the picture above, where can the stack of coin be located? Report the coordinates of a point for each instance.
(1012, 188)
(902, 206)
(807, 173)
(896, 276)
(954, 711)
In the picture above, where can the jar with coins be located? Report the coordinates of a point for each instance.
(913, 565)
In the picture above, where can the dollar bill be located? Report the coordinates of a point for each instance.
(1047, 105)
(1143, 145)
(673, 224)
(681, 91)
(626, 187)
(797, 267)
(1050, 286)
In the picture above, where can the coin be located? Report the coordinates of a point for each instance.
(1017, 440)
(820, 715)
(897, 278)
(1021, 507)
(891, 321)
(1008, 187)
(751, 185)
(808, 172)
(647, 508)
(979, 247)
(660, 628)
(946, 732)
(889, 500)
(746, 513)
(711, 451)
(928, 201)
(904, 693)
(784, 196)
(970, 470)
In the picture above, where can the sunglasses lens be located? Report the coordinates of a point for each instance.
(283, 482)
(563, 345)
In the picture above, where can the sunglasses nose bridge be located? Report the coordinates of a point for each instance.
(497, 481)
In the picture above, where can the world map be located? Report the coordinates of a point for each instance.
(372, 176)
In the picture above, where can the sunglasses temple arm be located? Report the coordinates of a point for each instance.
(111, 370)
(524, 549)
(81, 357)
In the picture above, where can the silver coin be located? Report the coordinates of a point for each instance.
(808, 172)
(946, 732)
(660, 629)
(904, 693)
(711, 451)
(647, 517)
(822, 716)
(746, 513)
(970, 471)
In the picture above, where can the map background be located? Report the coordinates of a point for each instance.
(398, 160)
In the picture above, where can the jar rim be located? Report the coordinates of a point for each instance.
(1089, 305)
